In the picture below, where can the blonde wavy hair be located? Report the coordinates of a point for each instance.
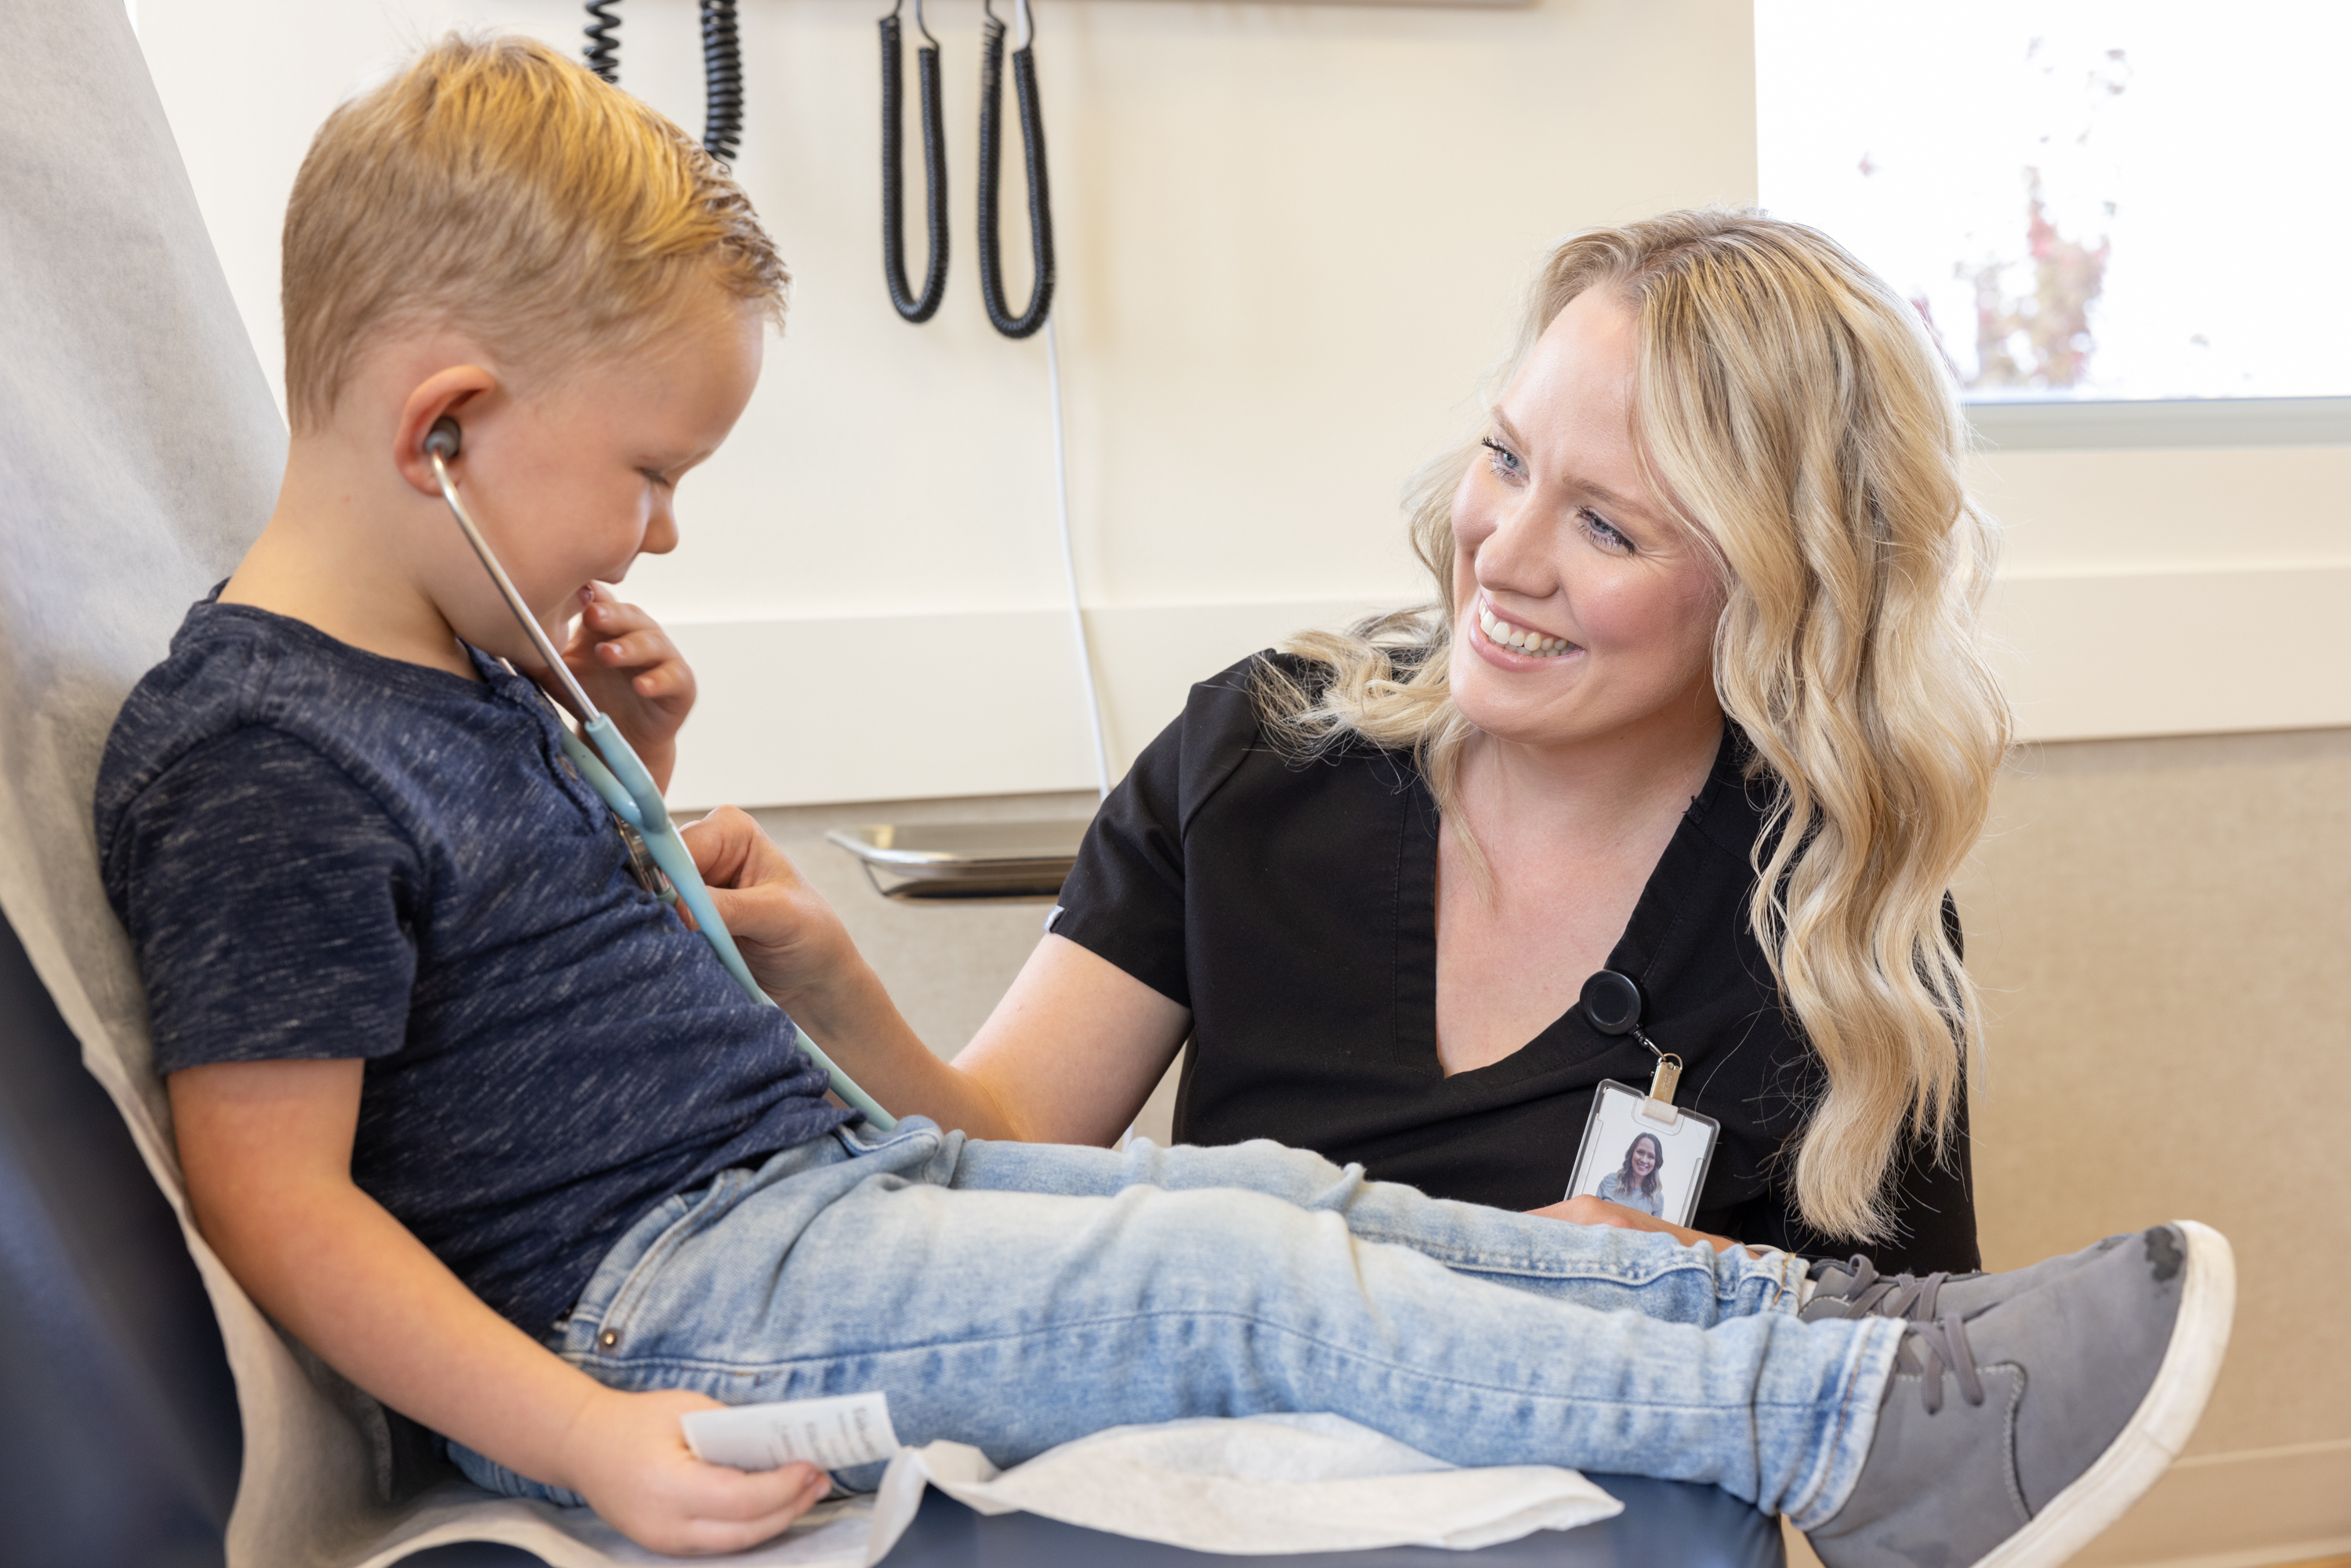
(497, 187)
(1791, 413)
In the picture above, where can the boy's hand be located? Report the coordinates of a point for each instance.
(789, 934)
(627, 1455)
(627, 663)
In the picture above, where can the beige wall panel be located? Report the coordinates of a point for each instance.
(2161, 928)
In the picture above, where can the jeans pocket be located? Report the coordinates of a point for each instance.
(597, 1323)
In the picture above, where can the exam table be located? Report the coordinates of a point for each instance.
(119, 1434)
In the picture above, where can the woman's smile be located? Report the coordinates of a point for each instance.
(1504, 635)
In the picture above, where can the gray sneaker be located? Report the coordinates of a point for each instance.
(2010, 1440)
(1855, 1288)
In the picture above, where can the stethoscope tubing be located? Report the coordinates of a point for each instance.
(615, 770)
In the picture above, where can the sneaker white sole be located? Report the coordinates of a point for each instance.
(2157, 1430)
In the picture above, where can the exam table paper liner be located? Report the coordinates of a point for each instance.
(1261, 1486)
(140, 452)
(1264, 1485)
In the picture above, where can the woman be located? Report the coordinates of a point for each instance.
(1635, 1183)
(1702, 700)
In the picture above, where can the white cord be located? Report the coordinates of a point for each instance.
(1061, 507)
(1069, 560)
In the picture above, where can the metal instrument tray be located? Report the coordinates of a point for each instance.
(965, 861)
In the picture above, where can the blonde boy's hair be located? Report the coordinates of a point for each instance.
(496, 188)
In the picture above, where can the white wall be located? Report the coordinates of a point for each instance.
(1292, 237)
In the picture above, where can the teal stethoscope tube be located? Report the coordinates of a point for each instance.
(615, 772)
(639, 804)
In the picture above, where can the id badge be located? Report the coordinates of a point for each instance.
(1644, 1153)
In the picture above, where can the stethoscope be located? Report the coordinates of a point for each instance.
(615, 772)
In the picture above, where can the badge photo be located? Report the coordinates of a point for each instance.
(1644, 1153)
(1640, 1150)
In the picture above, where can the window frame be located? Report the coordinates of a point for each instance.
(2057, 424)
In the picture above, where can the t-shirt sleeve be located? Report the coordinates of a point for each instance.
(1123, 900)
(269, 899)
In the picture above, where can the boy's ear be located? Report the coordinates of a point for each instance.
(443, 395)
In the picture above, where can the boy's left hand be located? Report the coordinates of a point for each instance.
(627, 663)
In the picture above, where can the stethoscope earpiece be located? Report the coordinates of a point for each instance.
(444, 439)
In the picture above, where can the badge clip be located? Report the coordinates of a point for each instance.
(1659, 1107)
(1612, 1002)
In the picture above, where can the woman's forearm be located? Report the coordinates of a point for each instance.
(1069, 1055)
(851, 1015)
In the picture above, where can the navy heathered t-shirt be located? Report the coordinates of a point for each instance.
(320, 853)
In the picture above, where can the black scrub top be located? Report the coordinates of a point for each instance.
(1292, 907)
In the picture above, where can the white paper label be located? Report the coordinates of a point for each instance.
(830, 1434)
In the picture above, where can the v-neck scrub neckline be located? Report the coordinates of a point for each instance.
(1292, 907)
(1678, 880)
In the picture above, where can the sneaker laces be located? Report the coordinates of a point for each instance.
(1939, 1347)
(1876, 1295)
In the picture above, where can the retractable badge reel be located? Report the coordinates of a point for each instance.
(1639, 1148)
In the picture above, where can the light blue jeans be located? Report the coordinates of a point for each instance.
(1015, 1296)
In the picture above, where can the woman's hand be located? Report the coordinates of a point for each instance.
(627, 1455)
(790, 936)
(1593, 1211)
(627, 665)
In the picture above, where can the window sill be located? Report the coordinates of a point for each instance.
(2057, 424)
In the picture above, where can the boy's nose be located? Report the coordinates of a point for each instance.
(661, 533)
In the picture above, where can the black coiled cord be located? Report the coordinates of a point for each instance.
(722, 76)
(934, 172)
(722, 68)
(603, 51)
(991, 151)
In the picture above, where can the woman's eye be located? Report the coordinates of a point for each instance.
(1502, 460)
(1602, 531)
(660, 479)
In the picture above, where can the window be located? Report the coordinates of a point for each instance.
(2103, 200)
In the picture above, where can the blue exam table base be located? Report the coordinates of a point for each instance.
(1665, 1524)
(119, 1436)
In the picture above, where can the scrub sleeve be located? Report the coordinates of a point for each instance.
(1292, 906)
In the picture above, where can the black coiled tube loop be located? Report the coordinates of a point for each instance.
(722, 68)
(722, 76)
(935, 173)
(603, 51)
(991, 149)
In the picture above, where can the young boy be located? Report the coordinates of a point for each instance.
(473, 1115)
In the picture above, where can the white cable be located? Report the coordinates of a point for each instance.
(1069, 560)
(1061, 507)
